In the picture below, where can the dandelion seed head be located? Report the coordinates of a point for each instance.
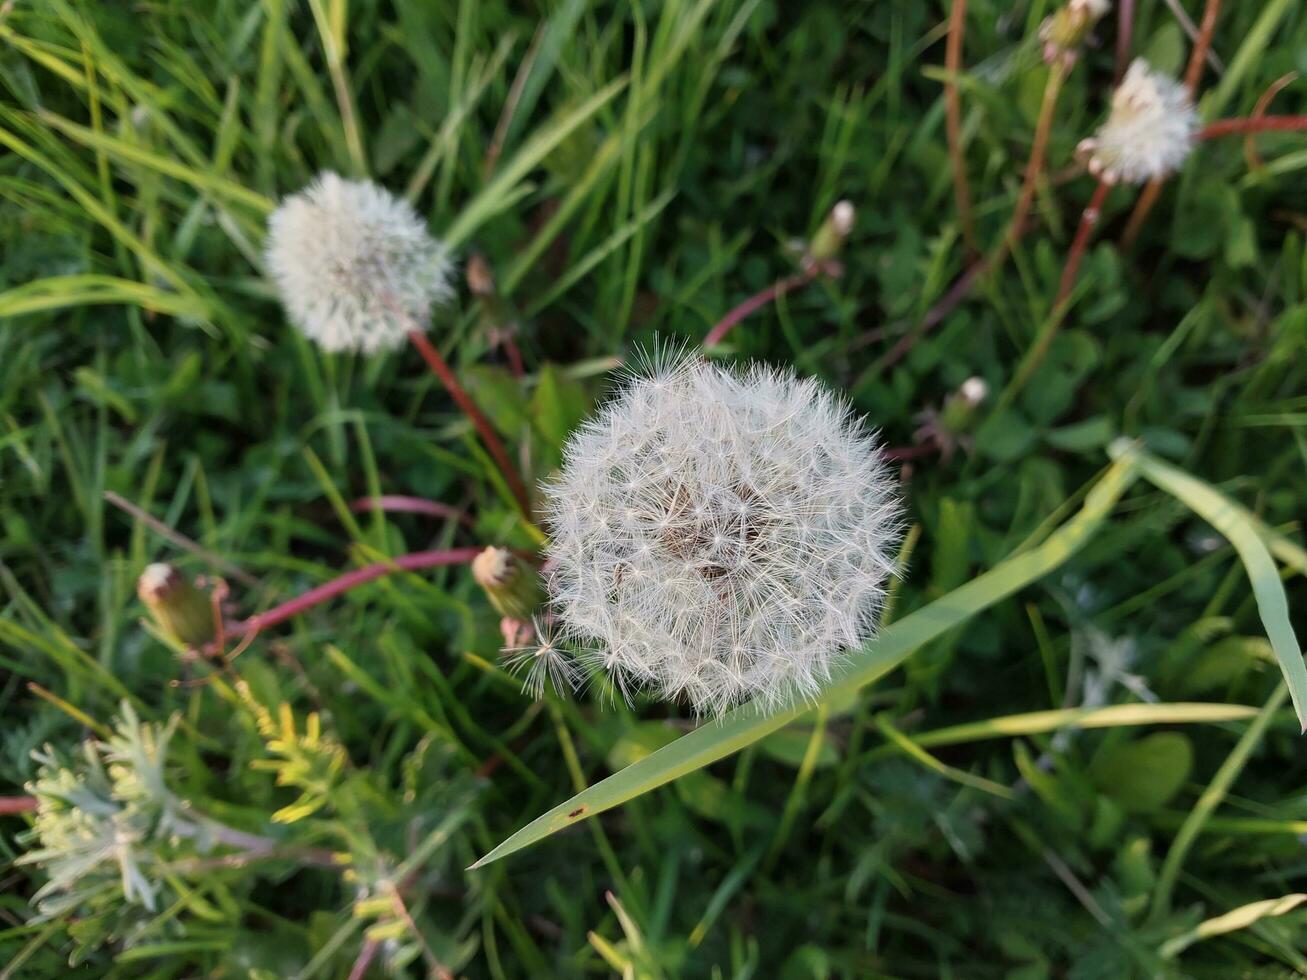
(355, 266)
(1149, 132)
(720, 535)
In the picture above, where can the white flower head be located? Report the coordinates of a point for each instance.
(1151, 129)
(720, 535)
(355, 266)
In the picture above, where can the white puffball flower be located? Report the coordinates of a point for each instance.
(720, 535)
(355, 266)
(1148, 134)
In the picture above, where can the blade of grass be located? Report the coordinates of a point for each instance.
(1239, 528)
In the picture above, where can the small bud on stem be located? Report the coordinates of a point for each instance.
(182, 611)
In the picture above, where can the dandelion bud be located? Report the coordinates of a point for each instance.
(1065, 30)
(721, 536)
(1149, 132)
(828, 241)
(480, 280)
(959, 412)
(355, 266)
(511, 586)
(178, 608)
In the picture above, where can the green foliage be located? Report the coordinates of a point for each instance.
(1086, 767)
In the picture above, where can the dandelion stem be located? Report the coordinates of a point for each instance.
(1088, 221)
(16, 804)
(1038, 149)
(441, 369)
(757, 301)
(1125, 23)
(1251, 156)
(953, 119)
(390, 503)
(946, 305)
(1194, 71)
(343, 583)
(1264, 124)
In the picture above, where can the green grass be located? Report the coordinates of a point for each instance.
(954, 808)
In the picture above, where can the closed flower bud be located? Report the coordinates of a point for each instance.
(178, 608)
(1065, 30)
(512, 587)
(828, 241)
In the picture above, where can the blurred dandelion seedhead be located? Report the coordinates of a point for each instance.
(720, 535)
(1148, 134)
(355, 266)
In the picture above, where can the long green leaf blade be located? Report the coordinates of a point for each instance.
(744, 725)
(1240, 528)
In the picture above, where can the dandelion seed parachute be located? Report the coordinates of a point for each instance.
(1149, 133)
(720, 536)
(355, 266)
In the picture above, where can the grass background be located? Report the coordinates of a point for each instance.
(632, 171)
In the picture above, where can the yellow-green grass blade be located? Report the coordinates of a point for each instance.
(1241, 529)
(60, 292)
(496, 195)
(746, 725)
(1240, 918)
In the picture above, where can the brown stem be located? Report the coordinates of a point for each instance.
(484, 429)
(953, 121)
(1016, 227)
(1147, 198)
(946, 305)
(1125, 22)
(343, 583)
(16, 804)
(1088, 221)
(758, 300)
(1250, 154)
(394, 504)
(1194, 71)
(1266, 124)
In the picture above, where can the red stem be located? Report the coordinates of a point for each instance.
(484, 429)
(1125, 21)
(342, 584)
(759, 300)
(953, 120)
(1264, 124)
(946, 305)
(16, 804)
(409, 505)
(1088, 220)
(1202, 44)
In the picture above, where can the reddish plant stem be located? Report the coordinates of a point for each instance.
(409, 505)
(1038, 149)
(17, 804)
(1250, 154)
(485, 430)
(1125, 24)
(953, 121)
(946, 305)
(1265, 124)
(1202, 44)
(757, 301)
(1088, 221)
(366, 955)
(343, 583)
